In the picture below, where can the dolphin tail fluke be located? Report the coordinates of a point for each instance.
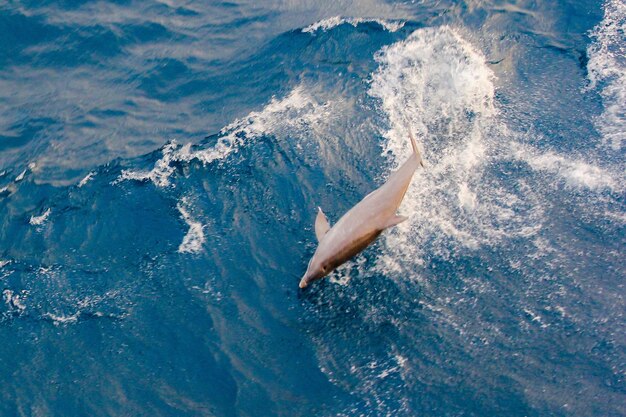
(415, 150)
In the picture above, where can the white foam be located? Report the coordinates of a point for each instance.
(298, 110)
(31, 166)
(194, 239)
(440, 85)
(293, 114)
(607, 67)
(467, 198)
(86, 179)
(4, 263)
(535, 318)
(15, 300)
(576, 173)
(331, 22)
(161, 171)
(21, 176)
(39, 220)
(58, 320)
(427, 80)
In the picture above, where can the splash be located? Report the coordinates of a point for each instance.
(607, 71)
(438, 84)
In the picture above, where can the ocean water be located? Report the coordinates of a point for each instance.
(161, 164)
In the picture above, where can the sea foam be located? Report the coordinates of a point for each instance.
(607, 71)
(194, 239)
(39, 220)
(437, 84)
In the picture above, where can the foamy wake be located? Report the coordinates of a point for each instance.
(331, 22)
(297, 112)
(607, 71)
(194, 239)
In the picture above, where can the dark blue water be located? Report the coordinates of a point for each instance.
(160, 168)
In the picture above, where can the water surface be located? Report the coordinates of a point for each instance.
(160, 168)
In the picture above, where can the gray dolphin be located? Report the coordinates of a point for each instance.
(362, 224)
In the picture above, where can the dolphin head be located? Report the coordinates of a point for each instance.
(317, 269)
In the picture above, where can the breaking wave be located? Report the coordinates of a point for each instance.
(332, 22)
(293, 114)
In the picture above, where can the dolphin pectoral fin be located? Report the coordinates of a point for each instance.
(394, 221)
(321, 224)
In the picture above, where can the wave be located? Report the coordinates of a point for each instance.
(332, 22)
(441, 86)
(86, 179)
(296, 112)
(607, 71)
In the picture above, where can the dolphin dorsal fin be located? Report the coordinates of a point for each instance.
(394, 220)
(415, 150)
(321, 224)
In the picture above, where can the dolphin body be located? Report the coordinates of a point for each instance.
(362, 224)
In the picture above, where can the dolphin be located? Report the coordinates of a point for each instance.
(362, 224)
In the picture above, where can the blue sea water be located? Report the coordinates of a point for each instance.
(160, 167)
